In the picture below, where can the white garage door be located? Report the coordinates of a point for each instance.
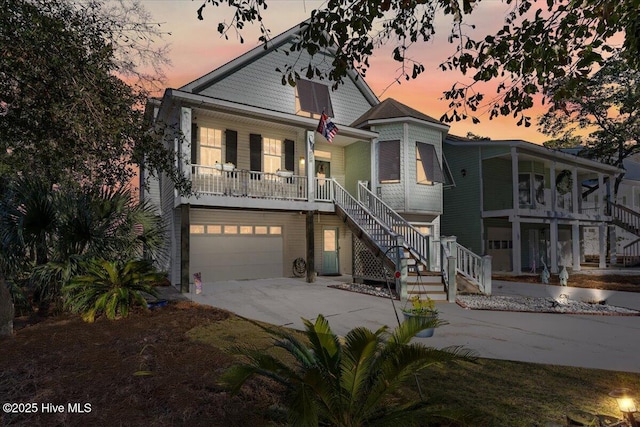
(235, 257)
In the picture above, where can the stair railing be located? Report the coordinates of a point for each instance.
(414, 240)
(378, 232)
(625, 218)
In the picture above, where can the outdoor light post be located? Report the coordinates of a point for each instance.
(626, 404)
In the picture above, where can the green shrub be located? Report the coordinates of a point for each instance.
(111, 288)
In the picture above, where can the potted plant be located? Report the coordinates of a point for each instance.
(419, 307)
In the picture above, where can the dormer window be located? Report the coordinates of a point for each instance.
(312, 98)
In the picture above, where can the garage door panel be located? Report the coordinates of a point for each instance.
(236, 257)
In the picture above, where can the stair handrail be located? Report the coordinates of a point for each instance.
(347, 203)
(631, 250)
(625, 216)
(414, 240)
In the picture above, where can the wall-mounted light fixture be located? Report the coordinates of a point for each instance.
(463, 172)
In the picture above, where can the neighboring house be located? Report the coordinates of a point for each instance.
(270, 189)
(523, 203)
(628, 231)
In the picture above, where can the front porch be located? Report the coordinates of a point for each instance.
(230, 186)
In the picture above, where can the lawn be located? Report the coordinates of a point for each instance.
(161, 368)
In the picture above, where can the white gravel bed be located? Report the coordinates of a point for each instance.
(510, 303)
(378, 291)
(541, 305)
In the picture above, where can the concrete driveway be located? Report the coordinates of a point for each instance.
(591, 341)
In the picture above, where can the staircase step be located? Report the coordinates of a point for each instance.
(437, 295)
(425, 280)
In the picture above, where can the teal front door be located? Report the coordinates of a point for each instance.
(330, 264)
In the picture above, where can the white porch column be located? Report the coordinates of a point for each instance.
(553, 241)
(310, 165)
(374, 165)
(575, 245)
(514, 182)
(575, 202)
(516, 251)
(185, 128)
(600, 206)
(552, 185)
(602, 240)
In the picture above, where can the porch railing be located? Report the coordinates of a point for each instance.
(414, 240)
(244, 183)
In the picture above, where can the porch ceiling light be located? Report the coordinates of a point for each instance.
(626, 404)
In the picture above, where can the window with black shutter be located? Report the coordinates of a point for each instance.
(231, 147)
(255, 152)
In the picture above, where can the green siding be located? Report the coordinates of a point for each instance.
(357, 165)
(461, 215)
(497, 185)
(488, 152)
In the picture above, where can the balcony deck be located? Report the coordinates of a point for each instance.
(213, 184)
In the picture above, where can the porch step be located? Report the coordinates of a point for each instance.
(434, 295)
(425, 279)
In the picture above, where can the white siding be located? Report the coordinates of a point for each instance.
(260, 85)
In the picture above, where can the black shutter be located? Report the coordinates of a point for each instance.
(255, 152)
(231, 146)
(194, 144)
(289, 160)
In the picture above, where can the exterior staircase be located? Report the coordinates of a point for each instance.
(399, 244)
(628, 220)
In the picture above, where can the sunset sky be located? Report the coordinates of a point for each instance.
(197, 48)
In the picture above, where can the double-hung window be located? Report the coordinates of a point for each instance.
(272, 154)
(210, 148)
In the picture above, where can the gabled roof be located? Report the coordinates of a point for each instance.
(261, 50)
(392, 109)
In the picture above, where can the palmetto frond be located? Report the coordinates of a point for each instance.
(111, 287)
(347, 382)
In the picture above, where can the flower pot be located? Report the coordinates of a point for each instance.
(284, 174)
(425, 333)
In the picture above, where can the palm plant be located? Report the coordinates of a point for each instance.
(47, 233)
(348, 382)
(111, 288)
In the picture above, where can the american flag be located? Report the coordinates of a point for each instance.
(326, 128)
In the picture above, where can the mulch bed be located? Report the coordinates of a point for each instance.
(137, 371)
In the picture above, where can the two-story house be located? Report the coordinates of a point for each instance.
(270, 189)
(523, 203)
